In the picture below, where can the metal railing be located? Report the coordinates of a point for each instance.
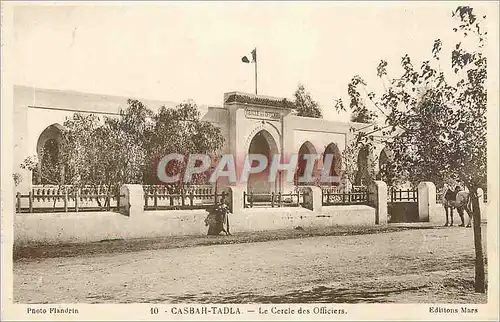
(343, 198)
(332, 195)
(272, 199)
(182, 199)
(403, 195)
(67, 200)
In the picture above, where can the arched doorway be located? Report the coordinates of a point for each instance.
(363, 175)
(49, 170)
(306, 148)
(384, 161)
(332, 150)
(262, 143)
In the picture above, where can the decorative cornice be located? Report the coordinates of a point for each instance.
(258, 100)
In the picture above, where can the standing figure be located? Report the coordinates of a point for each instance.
(222, 215)
(218, 219)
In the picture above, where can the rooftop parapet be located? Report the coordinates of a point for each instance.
(252, 99)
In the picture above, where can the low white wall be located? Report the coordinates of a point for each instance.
(96, 226)
(282, 218)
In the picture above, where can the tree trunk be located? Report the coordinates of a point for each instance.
(479, 285)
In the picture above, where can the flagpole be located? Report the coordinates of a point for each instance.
(256, 71)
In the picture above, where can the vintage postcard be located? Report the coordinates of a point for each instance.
(249, 161)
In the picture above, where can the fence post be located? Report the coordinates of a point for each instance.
(426, 200)
(482, 206)
(65, 200)
(298, 197)
(182, 197)
(234, 201)
(31, 201)
(313, 198)
(272, 199)
(244, 199)
(251, 199)
(76, 199)
(133, 200)
(155, 200)
(191, 202)
(379, 191)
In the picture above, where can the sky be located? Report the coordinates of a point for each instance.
(176, 51)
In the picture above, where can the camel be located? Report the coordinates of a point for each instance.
(459, 199)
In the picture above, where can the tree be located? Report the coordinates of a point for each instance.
(51, 169)
(362, 143)
(305, 105)
(128, 135)
(420, 113)
(359, 111)
(438, 129)
(112, 151)
(470, 145)
(78, 149)
(180, 130)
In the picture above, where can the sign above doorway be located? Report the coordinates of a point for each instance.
(261, 114)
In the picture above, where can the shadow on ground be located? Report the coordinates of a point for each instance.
(320, 294)
(40, 251)
(327, 294)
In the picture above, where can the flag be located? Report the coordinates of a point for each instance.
(250, 58)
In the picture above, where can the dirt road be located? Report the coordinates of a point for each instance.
(430, 265)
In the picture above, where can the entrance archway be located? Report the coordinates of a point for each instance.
(264, 144)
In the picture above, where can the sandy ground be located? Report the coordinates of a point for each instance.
(406, 266)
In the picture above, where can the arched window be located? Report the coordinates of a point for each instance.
(363, 175)
(300, 178)
(50, 169)
(332, 151)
